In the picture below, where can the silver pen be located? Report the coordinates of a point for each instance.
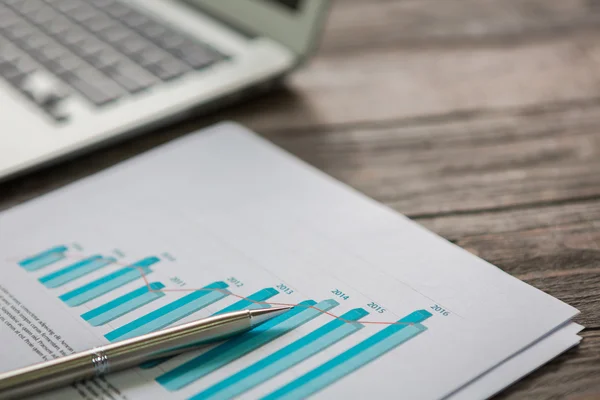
(130, 352)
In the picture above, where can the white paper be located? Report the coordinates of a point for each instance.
(228, 207)
(521, 364)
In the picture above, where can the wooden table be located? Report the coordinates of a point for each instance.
(480, 119)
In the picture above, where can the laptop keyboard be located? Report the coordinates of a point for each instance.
(103, 49)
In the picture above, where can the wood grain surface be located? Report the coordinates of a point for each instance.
(478, 118)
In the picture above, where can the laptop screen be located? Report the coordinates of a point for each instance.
(293, 23)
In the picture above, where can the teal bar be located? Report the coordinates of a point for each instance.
(235, 348)
(170, 313)
(250, 303)
(353, 358)
(44, 258)
(124, 304)
(74, 271)
(108, 282)
(285, 358)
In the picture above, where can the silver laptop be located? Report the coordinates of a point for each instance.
(79, 73)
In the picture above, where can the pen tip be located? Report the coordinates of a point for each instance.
(262, 315)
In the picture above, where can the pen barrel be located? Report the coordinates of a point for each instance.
(47, 375)
(121, 355)
(175, 340)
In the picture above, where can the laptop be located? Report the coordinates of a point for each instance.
(77, 74)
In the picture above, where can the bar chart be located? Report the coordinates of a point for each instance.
(354, 358)
(169, 311)
(76, 270)
(235, 348)
(109, 282)
(286, 358)
(124, 304)
(44, 258)
(253, 301)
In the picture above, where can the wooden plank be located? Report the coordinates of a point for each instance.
(369, 82)
(389, 85)
(464, 165)
(556, 249)
(579, 289)
(563, 261)
(400, 24)
(573, 375)
(455, 227)
(425, 168)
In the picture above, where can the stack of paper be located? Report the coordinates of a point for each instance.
(221, 220)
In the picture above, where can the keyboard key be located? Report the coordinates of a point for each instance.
(9, 72)
(61, 109)
(65, 5)
(8, 53)
(117, 10)
(170, 40)
(130, 76)
(88, 46)
(135, 19)
(195, 55)
(82, 13)
(25, 65)
(58, 26)
(104, 58)
(93, 86)
(18, 31)
(100, 23)
(49, 53)
(101, 3)
(42, 16)
(115, 35)
(152, 30)
(149, 55)
(72, 36)
(64, 65)
(42, 87)
(167, 69)
(34, 42)
(131, 45)
(14, 64)
(27, 6)
(8, 18)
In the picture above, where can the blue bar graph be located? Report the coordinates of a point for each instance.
(251, 302)
(44, 258)
(74, 271)
(353, 358)
(235, 348)
(108, 282)
(170, 313)
(285, 358)
(124, 304)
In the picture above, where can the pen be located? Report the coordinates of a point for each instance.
(130, 352)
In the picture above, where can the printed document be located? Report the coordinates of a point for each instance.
(222, 220)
